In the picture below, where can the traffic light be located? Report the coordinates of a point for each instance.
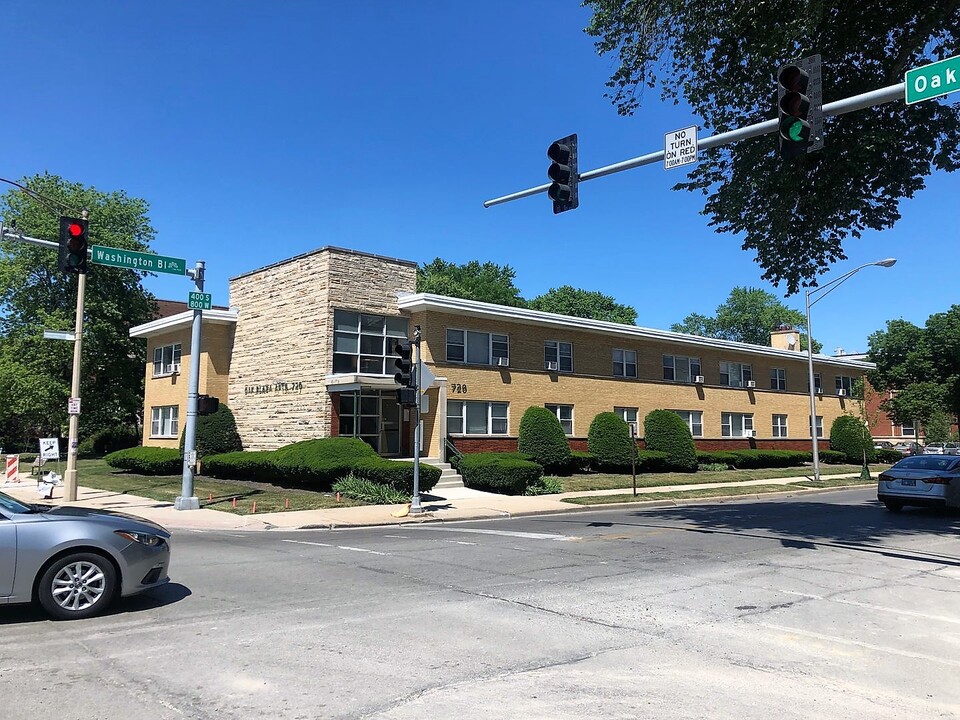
(563, 172)
(404, 363)
(207, 404)
(799, 106)
(72, 253)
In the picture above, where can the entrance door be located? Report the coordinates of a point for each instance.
(390, 415)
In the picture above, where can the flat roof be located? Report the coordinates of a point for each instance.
(182, 320)
(417, 302)
(326, 248)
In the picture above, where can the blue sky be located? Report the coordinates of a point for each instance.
(261, 130)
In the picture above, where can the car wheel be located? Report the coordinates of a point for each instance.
(893, 506)
(77, 586)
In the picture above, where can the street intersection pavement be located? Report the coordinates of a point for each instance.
(442, 505)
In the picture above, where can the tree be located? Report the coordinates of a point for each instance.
(568, 300)
(749, 315)
(872, 157)
(35, 374)
(487, 282)
(920, 365)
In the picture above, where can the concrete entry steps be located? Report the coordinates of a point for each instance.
(449, 478)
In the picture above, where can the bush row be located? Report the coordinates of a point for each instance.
(504, 473)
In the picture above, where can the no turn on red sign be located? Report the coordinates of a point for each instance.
(680, 147)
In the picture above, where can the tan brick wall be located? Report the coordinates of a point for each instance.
(284, 334)
(591, 389)
(167, 390)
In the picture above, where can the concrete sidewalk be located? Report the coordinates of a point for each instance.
(439, 506)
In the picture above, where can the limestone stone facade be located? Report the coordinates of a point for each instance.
(282, 350)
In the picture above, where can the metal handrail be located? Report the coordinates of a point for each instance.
(450, 449)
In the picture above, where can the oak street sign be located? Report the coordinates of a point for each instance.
(933, 80)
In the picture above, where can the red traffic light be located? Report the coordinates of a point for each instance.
(75, 230)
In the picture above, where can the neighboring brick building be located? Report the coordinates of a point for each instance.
(306, 351)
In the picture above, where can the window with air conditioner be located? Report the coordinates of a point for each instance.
(846, 384)
(629, 416)
(477, 348)
(470, 417)
(681, 368)
(736, 424)
(558, 356)
(734, 374)
(693, 419)
(166, 359)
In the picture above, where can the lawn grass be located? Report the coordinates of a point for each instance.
(711, 492)
(605, 481)
(213, 494)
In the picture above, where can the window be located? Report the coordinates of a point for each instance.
(477, 348)
(364, 343)
(680, 368)
(816, 382)
(779, 426)
(166, 359)
(476, 418)
(734, 374)
(907, 430)
(564, 414)
(559, 353)
(629, 416)
(165, 421)
(778, 379)
(736, 424)
(842, 382)
(693, 419)
(624, 363)
(819, 425)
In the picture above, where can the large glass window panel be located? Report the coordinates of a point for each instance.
(342, 342)
(478, 348)
(477, 418)
(371, 345)
(371, 364)
(346, 320)
(397, 327)
(344, 363)
(372, 324)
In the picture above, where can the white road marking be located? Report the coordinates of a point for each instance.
(505, 533)
(402, 537)
(869, 606)
(338, 547)
(857, 643)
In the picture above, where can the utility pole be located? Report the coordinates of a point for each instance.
(70, 476)
(415, 507)
(188, 499)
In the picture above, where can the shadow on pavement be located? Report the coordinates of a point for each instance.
(158, 597)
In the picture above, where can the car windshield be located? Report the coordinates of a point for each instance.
(14, 506)
(929, 462)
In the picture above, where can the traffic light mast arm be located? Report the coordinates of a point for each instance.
(840, 107)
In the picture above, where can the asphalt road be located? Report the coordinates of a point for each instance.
(821, 607)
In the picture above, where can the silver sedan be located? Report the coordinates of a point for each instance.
(76, 561)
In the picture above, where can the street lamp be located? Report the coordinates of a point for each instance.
(833, 285)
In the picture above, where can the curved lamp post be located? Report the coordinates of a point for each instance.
(832, 285)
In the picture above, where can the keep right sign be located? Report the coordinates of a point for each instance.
(932, 80)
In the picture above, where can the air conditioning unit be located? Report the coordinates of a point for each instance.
(552, 366)
(819, 391)
(841, 392)
(749, 433)
(503, 362)
(698, 379)
(751, 383)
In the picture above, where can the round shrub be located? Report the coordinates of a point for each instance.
(609, 442)
(108, 440)
(541, 437)
(147, 460)
(850, 436)
(320, 463)
(665, 431)
(216, 433)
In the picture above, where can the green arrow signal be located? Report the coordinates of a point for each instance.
(796, 131)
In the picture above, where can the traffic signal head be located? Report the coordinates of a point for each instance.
(207, 404)
(404, 363)
(799, 101)
(563, 172)
(72, 251)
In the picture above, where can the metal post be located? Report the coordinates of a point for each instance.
(188, 499)
(813, 398)
(415, 507)
(70, 476)
(633, 456)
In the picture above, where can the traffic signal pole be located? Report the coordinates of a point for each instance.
(415, 507)
(840, 107)
(70, 477)
(188, 499)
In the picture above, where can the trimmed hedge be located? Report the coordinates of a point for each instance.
(850, 436)
(108, 440)
(541, 437)
(249, 465)
(320, 463)
(716, 457)
(665, 431)
(833, 457)
(216, 433)
(396, 474)
(147, 460)
(581, 462)
(888, 455)
(609, 442)
(652, 461)
(504, 473)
